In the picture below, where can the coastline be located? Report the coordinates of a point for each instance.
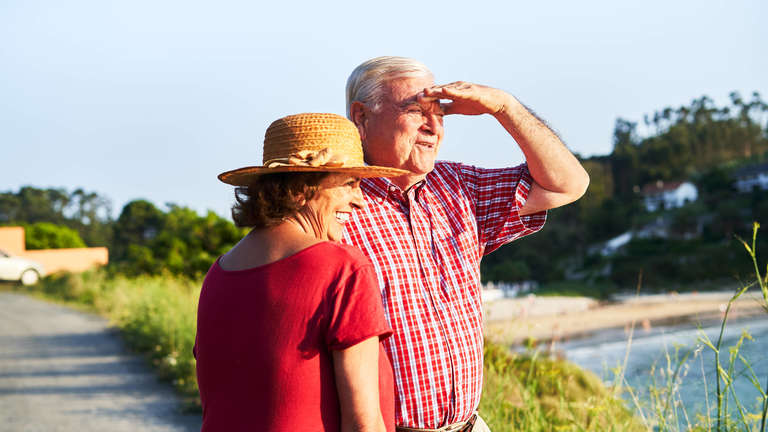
(559, 319)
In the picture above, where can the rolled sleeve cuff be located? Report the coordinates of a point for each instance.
(533, 222)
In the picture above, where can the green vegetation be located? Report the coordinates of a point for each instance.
(143, 240)
(701, 143)
(725, 410)
(156, 316)
(522, 392)
(535, 393)
(150, 289)
(527, 392)
(45, 235)
(597, 290)
(179, 241)
(86, 212)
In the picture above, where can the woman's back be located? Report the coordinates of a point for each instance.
(265, 334)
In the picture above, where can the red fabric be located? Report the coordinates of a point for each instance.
(426, 246)
(265, 335)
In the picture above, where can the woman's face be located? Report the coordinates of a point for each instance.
(338, 195)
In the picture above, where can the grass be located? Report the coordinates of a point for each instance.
(600, 291)
(532, 392)
(724, 411)
(156, 316)
(522, 392)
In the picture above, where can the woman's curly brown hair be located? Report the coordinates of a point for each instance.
(269, 198)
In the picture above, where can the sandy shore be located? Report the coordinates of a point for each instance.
(511, 321)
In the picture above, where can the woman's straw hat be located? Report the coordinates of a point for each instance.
(311, 143)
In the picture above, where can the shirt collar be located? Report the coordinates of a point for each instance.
(382, 187)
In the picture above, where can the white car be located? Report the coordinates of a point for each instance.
(19, 269)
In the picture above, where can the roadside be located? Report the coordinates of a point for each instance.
(544, 319)
(64, 370)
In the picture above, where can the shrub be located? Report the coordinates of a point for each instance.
(44, 235)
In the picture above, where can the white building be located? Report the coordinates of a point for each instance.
(668, 195)
(498, 290)
(750, 177)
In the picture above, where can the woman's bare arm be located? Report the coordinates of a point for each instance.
(357, 382)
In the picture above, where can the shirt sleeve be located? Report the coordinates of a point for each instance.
(356, 311)
(499, 193)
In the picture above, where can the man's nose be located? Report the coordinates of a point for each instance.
(357, 198)
(432, 123)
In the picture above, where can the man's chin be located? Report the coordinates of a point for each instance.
(422, 169)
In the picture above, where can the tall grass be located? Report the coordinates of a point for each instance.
(156, 316)
(725, 410)
(522, 392)
(536, 393)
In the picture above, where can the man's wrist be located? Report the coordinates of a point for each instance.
(509, 108)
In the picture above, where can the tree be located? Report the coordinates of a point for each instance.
(138, 224)
(86, 212)
(91, 213)
(32, 205)
(624, 159)
(179, 241)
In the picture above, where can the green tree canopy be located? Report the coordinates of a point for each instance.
(86, 212)
(179, 241)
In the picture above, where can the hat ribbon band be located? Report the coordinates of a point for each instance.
(308, 158)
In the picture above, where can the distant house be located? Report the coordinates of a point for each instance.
(668, 195)
(750, 177)
(52, 260)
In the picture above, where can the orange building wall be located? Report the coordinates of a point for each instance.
(12, 240)
(53, 260)
(72, 260)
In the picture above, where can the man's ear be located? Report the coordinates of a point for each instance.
(357, 113)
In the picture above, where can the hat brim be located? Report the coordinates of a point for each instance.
(244, 176)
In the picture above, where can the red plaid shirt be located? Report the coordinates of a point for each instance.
(426, 246)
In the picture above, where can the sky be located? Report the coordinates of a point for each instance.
(153, 99)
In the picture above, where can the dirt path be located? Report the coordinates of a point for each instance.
(62, 370)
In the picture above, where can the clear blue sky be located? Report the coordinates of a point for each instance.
(152, 99)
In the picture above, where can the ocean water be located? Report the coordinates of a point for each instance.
(654, 351)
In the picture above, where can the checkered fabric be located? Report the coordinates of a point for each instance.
(426, 246)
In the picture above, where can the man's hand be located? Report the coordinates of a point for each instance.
(467, 98)
(558, 176)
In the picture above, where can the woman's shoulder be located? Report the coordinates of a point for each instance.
(346, 253)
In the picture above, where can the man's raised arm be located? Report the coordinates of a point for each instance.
(558, 176)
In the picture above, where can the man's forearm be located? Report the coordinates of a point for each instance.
(552, 166)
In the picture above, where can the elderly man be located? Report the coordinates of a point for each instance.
(426, 232)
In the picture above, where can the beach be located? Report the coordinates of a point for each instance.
(545, 319)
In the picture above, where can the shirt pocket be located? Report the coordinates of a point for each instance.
(456, 254)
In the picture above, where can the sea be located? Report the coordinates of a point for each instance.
(654, 354)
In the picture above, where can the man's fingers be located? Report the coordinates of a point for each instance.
(424, 97)
(442, 93)
(458, 85)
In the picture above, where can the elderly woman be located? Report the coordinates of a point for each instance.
(289, 321)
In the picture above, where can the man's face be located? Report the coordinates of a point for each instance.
(404, 133)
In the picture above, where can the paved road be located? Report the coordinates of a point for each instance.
(63, 370)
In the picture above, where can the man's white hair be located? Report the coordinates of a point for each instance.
(366, 81)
